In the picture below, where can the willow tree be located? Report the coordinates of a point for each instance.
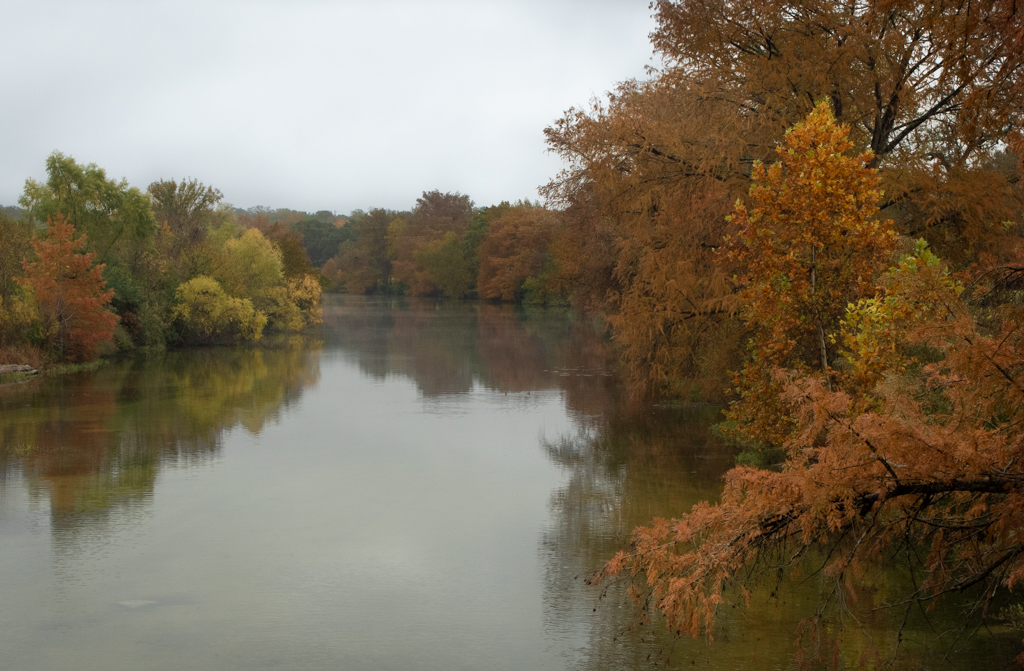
(116, 217)
(933, 89)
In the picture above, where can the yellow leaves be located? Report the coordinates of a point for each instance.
(811, 246)
(306, 293)
(246, 293)
(249, 266)
(206, 313)
(18, 312)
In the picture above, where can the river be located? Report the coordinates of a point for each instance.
(416, 485)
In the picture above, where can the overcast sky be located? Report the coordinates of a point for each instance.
(331, 105)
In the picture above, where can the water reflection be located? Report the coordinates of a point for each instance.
(631, 468)
(447, 348)
(622, 472)
(437, 503)
(624, 463)
(93, 443)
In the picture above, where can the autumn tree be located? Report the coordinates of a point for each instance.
(810, 245)
(932, 88)
(585, 254)
(294, 260)
(255, 217)
(15, 243)
(70, 292)
(916, 470)
(901, 438)
(206, 314)
(435, 215)
(118, 223)
(363, 263)
(514, 250)
(17, 312)
(187, 210)
(186, 207)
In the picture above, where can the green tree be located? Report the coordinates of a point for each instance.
(444, 260)
(15, 244)
(18, 312)
(109, 212)
(320, 238)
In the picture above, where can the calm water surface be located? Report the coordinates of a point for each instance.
(418, 486)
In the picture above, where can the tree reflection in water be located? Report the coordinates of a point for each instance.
(450, 347)
(92, 443)
(626, 464)
(91, 446)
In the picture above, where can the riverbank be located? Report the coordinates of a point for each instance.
(17, 373)
(12, 373)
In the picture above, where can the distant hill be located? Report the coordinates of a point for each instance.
(13, 211)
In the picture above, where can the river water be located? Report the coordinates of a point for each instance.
(416, 485)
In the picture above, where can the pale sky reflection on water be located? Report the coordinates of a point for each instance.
(419, 485)
(358, 529)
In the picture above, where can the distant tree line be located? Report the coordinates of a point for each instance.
(90, 265)
(447, 247)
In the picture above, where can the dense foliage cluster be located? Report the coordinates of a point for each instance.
(933, 89)
(183, 268)
(93, 265)
(814, 207)
(447, 247)
(825, 199)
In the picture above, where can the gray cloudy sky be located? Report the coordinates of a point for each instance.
(311, 105)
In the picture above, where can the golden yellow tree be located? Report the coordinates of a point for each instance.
(810, 244)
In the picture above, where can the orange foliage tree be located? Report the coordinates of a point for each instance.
(515, 249)
(70, 292)
(932, 88)
(809, 245)
(904, 449)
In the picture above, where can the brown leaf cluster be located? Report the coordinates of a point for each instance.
(933, 89)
